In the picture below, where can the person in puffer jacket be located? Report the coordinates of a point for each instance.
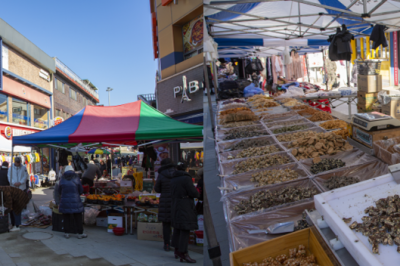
(71, 206)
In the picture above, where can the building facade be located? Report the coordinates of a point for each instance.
(71, 93)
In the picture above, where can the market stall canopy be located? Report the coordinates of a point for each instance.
(256, 22)
(6, 145)
(123, 124)
(98, 151)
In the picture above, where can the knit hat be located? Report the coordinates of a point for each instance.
(69, 168)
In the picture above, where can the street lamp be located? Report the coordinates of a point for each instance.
(109, 89)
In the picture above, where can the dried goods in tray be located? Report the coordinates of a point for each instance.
(248, 143)
(287, 123)
(266, 198)
(239, 116)
(261, 109)
(344, 133)
(274, 176)
(308, 111)
(292, 102)
(260, 162)
(297, 256)
(257, 96)
(302, 223)
(244, 132)
(320, 116)
(296, 135)
(328, 125)
(240, 124)
(268, 118)
(285, 100)
(234, 110)
(300, 107)
(255, 151)
(233, 105)
(319, 144)
(382, 225)
(326, 165)
(235, 100)
(265, 104)
(289, 128)
(340, 181)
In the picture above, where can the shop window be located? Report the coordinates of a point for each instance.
(3, 108)
(41, 117)
(72, 94)
(20, 113)
(192, 33)
(60, 86)
(58, 113)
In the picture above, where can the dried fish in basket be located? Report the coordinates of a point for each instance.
(261, 162)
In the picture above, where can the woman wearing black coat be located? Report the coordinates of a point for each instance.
(183, 213)
(163, 186)
(3, 174)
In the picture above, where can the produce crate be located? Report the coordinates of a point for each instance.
(281, 245)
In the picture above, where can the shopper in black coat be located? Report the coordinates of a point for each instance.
(183, 213)
(163, 186)
(3, 174)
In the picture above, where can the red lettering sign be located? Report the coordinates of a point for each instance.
(395, 59)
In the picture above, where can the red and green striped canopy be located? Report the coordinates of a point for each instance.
(123, 124)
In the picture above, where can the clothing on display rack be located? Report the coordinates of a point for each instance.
(277, 68)
(294, 68)
(340, 47)
(378, 36)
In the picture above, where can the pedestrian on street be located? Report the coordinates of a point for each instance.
(90, 173)
(102, 167)
(183, 213)
(163, 186)
(115, 171)
(17, 177)
(109, 164)
(71, 206)
(4, 174)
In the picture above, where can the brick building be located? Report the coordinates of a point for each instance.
(71, 93)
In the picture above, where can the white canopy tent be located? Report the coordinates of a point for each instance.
(240, 24)
(5, 146)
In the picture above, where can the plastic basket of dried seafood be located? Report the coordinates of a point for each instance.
(312, 146)
(288, 137)
(262, 199)
(254, 163)
(241, 132)
(286, 129)
(250, 152)
(327, 163)
(347, 176)
(240, 144)
(294, 121)
(239, 124)
(332, 124)
(239, 227)
(271, 176)
(278, 117)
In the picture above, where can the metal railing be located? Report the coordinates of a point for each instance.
(76, 78)
(147, 97)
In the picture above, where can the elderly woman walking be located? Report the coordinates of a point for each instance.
(71, 206)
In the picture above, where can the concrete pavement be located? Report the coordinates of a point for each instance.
(100, 248)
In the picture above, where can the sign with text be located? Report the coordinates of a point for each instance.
(185, 90)
(395, 59)
(150, 231)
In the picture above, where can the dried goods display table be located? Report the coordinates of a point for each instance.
(332, 99)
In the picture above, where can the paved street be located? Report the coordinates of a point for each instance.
(100, 248)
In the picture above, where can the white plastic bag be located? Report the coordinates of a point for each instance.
(45, 210)
(90, 215)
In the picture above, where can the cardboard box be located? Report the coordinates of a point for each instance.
(150, 231)
(392, 108)
(114, 221)
(369, 83)
(102, 221)
(126, 187)
(200, 222)
(365, 101)
(367, 138)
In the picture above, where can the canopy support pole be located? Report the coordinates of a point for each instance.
(208, 93)
(215, 79)
(347, 73)
(323, 60)
(112, 162)
(308, 72)
(41, 159)
(12, 161)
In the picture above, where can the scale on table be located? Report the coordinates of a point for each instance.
(376, 120)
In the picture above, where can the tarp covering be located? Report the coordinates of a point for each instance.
(122, 124)
(254, 23)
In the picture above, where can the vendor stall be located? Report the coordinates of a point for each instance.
(99, 127)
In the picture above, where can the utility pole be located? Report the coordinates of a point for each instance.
(109, 89)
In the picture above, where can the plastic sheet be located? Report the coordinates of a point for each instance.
(348, 91)
(242, 181)
(234, 198)
(291, 92)
(228, 167)
(362, 172)
(353, 157)
(224, 156)
(384, 150)
(240, 226)
(228, 145)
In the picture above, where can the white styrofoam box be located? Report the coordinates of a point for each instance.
(102, 221)
(351, 201)
(113, 221)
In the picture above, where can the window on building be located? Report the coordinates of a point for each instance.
(3, 108)
(84, 101)
(72, 94)
(40, 117)
(20, 113)
(60, 86)
(58, 113)
(192, 33)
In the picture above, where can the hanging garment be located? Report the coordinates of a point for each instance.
(378, 36)
(340, 47)
(287, 59)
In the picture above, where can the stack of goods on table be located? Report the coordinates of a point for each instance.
(273, 163)
(115, 199)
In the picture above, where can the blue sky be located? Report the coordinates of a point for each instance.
(107, 42)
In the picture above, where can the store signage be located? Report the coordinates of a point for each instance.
(44, 75)
(7, 132)
(395, 59)
(185, 90)
(21, 132)
(58, 120)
